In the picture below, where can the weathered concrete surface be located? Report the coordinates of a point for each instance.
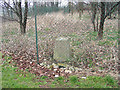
(62, 50)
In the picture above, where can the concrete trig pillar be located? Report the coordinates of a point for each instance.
(62, 50)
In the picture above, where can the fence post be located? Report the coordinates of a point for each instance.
(36, 31)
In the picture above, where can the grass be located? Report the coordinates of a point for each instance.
(85, 17)
(30, 32)
(92, 36)
(47, 29)
(5, 40)
(101, 43)
(8, 32)
(40, 33)
(109, 38)
(19, 79)
(12, 33)
(12, 77)
(89, 82)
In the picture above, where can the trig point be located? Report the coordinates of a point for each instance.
(62, 49)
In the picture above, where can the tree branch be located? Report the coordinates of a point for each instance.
(12, 9)
(15, 4)
(10, 19)
(25, 13)
(111, 10)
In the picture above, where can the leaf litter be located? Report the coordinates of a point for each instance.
(88, 58)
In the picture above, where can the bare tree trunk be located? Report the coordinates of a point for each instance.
(25, 17)
(8, 12)
(94, 11)
(57, 3)
(97, 22)
(102, 20)
(72, 8)
(69, 5)
(23, 22)
(79, 14)
(108, 5)
(103, 17)
(17, 9)
(3, 9)
(52, 4)
(20, 17)
(79, 11)
(80, 8)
